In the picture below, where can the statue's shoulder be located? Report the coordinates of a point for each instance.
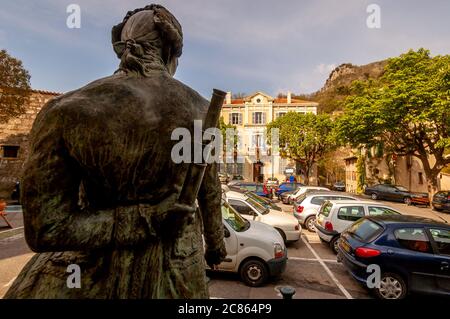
(106, 94)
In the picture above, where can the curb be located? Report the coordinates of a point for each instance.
(10, 232)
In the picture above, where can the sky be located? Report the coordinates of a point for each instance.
(233, 45)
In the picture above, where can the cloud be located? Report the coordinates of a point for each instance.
(236, 45)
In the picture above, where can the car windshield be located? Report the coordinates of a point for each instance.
(260, 208)
(233, 218)
(365, 230)
(402, 189)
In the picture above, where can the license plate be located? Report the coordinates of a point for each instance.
(345, 245)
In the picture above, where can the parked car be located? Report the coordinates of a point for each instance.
(262, 200)
(338, 186)
(335, 216)
(254, 250)
(286, 224)
(413, 254)
(441, 201)
(257, 188)
(285, 187)
(272, 182)
(284, 197)
(291, 198)
(13, 209)
(397, 193)
(236, 179)
(223, 177)
(308, 204)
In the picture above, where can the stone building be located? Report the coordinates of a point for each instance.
(14, 141)
(380, 168)
(250, 115)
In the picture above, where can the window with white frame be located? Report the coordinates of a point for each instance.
(259, 118)
(281, 114)
(235, 118)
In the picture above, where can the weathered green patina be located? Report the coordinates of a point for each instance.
(100, 189)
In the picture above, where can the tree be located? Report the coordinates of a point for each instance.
(407, 108)
(14, 87)
(304, 137)
(223, 129)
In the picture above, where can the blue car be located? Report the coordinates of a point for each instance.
(413, 254)
(286, 187)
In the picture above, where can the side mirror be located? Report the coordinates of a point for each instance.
(226, 232)
(254, 216)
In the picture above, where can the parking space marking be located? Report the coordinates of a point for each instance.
(313, 259)
(335, 280)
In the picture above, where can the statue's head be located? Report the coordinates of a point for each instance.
(148, 39)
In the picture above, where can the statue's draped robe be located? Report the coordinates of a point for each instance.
(99, 168)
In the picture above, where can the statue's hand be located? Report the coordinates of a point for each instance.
(214, 257)
(172, 221)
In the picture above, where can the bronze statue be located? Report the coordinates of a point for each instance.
(100, 189)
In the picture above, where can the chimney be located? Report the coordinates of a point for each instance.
(289, 97)
(228, 98)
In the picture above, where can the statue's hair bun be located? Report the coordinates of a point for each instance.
(165, 22)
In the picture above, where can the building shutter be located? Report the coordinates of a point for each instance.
(254, 117)
(240, 119)
(263, 118)
(230, 118)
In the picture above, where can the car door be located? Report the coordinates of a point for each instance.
(244, 209)
(388, 192)
(441, 244)
(231, 245)
(413, 255)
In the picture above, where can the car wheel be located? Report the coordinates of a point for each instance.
(374, 196)
(309, 223)
(283, 235)
(407, 201)
(334, 244)
(254, 273)
(392, 286)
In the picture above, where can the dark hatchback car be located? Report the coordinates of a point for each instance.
(441, 201)
(413, 254)
(397, 193)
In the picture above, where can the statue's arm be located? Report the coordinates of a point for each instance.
(50, 192)
(209, 200)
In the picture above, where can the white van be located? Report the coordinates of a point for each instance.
(254, 250)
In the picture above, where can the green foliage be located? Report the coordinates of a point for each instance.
(14, 87)
(304, 137)
(361, 174)
(223, 129)
(408, 108)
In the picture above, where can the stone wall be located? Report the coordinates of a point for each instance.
(15, 133)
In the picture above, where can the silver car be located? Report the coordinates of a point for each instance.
(307, 205)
